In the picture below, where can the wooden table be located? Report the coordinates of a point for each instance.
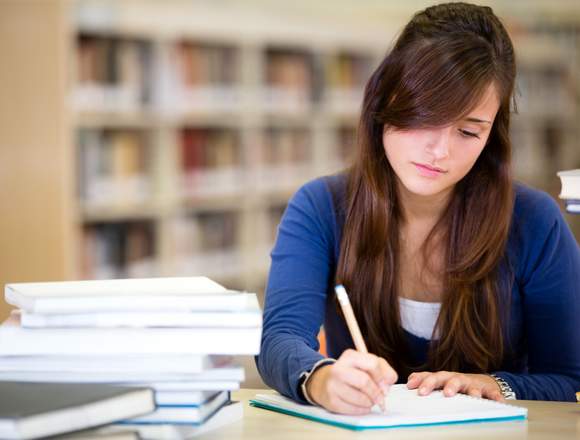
(546, 420)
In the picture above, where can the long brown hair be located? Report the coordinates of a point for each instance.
(439, 68)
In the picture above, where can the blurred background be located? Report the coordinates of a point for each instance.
(161, 138)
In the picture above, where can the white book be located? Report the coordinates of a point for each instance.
(214, 385)
(219, 374)
(573, 208)
(181, 414)
(404, 407)
(248, 316)
(15, 341)
(183, 397)
(178, 294)
(211, 396)
(229, 413)
(570, 184)
(135, 364)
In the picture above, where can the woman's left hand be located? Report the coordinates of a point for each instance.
(477, 385)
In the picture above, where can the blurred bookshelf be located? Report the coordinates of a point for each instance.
(189, 140)
(186, 128)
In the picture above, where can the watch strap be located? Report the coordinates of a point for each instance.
(506, 390)
(305, 376)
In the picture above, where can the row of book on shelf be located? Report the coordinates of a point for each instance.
(116, 166)
(201, 242)
(121, 74)
(155, 357)
(115, 73)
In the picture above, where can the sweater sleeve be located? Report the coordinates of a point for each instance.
(550, 286)
(301, 270)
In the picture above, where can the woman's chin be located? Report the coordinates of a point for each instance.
(426, 189)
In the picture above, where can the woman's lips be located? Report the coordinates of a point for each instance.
(428, 171)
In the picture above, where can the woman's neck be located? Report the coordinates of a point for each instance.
(422, 209)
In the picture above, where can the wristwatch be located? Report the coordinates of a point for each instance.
(303, 380)
(504, 387)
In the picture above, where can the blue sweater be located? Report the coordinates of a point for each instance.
(544, 327)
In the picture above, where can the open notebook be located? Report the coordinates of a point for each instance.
(404, 408)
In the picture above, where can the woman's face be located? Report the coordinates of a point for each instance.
(431, 161)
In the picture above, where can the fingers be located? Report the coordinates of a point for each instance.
(362, 382)
(427, 381)
(492, 392)
(388, 374)
(474, 392)
(346, 401)
(451, 383)
(378, 368)
(434, 381)
(357, 400)
(415, 379)
(496, 395)
(456, 384)
(367, 373)
(349, 385)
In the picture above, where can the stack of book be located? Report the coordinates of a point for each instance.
(570, 190)
(177, 336)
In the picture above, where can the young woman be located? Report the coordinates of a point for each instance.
(460, 279)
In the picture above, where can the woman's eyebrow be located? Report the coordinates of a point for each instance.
(471, 119)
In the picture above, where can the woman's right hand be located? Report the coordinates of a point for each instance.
(353, 384)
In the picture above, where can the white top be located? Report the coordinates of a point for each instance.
(418, 317)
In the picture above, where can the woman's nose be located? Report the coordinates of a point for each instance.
(438, 143)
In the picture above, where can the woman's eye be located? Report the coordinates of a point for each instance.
(466, 133)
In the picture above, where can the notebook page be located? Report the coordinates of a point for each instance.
(403, 408)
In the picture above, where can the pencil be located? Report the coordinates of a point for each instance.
(353, 327)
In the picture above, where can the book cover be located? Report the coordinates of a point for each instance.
(138, 294)
(133, 364)
(34, 410)
(96, 434)
(573, 206)
(230, 374)
(570, 184)
(191, 415)
(204, 385)
(15, 341)
(248, 316)
(183, 397)
(229, 413)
